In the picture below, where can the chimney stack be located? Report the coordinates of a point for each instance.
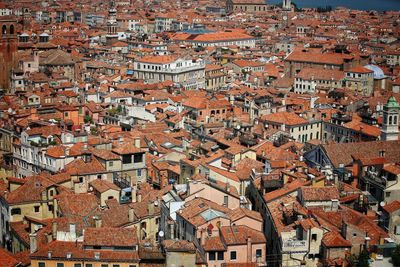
(33, 242)
(249, 250)
(202, 237)
(97, 221)
(134, 194)
(54, 230)
(131, 215)
(137, 141)
(151, 208)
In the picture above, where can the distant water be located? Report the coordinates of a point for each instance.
(379, 5)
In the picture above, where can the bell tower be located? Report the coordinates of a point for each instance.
(287, 5)
(112, 24)
(8, 49)
(390, 125)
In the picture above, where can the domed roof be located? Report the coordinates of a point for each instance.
(378, 72)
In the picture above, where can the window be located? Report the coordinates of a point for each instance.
(99, 176)
(50, 207)
(60, 264)
(36, 208)
(314, 237)
(104, 265)
(220, 255)
(387, 194)
(115, 265)
(41, 264)
(126, 159)
(111, 163)
(397, 229)
(16, 211)
(81, 179)
(88, 265)
(258, 253)
(138, 158)
(211, 256)
(233, 255)
(226, 201)
(77, 265)
(139, 172)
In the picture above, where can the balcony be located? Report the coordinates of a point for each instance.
(192, 122)
(378, 180)
(294, 245)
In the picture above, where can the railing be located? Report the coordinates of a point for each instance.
(294, 246)
(122, 180)
(374, 178)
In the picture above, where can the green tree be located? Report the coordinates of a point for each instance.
(396, 256)
(363, 259)
(87, 119)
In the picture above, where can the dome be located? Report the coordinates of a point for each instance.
(378, 72)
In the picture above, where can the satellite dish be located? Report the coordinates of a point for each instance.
(161, 233)
(382, 203)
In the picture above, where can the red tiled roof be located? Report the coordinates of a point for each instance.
(392, 207)
(238, 235)
(284, 117)
(114, 237)
(7, 259)
(333, 240)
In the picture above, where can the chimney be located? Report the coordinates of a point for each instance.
(97, 221)
(49, 238)
(134, 194)
(54, 230)
(67, 151)
(72, 230)
(151, 208)
(131, 215)
(137, 141)
(202, 237)
(249, 250)
(139, 197)
(33, 242)
(367, 240)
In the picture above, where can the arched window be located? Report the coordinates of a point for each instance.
(12, 29)
(4, 29)
(390, 120)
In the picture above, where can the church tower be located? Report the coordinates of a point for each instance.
(112, 25)
(287, 5)
(8, 50)
(390, 125)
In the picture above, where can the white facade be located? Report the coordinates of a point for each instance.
(188, 73)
